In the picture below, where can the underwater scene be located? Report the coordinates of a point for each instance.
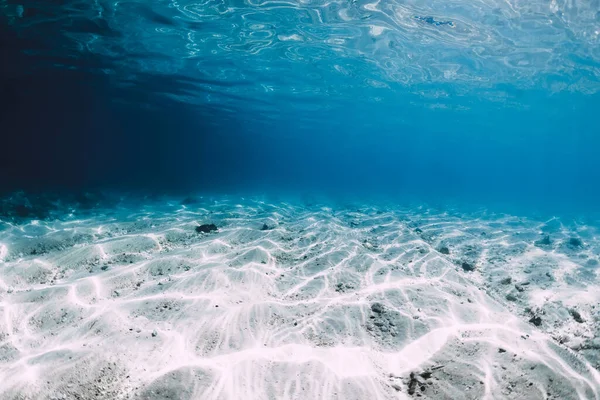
(299, 199)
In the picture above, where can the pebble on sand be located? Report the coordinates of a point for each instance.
(576, 316)
(206, 228)
(536, 320)
(511, 297)
(468, 267)
(377, 308)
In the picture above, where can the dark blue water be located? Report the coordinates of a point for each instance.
(493, 103)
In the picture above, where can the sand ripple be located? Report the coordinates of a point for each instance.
(335, 303)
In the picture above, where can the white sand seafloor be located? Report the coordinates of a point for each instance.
(325, 303)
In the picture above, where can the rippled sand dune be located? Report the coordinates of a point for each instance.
(287, 301)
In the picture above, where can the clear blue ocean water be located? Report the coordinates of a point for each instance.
(493, 103)
(299, 199)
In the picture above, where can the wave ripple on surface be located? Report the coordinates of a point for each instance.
(433, 49)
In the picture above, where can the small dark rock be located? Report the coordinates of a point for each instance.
(444, 250)
(206, 228)
(265, 227)
(506, 281)
(396, 387)
(343, 287)
(468, 267)
(576, 316)
(519, 288)
(575, 242)
(377, 308)
(104, 267)
(536, 320)
(412, 385)
(543, 242)
(425, 374)
(511, 297)
(501, 350)
(418, 230)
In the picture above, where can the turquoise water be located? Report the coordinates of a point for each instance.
(299, 199)
(491, 102)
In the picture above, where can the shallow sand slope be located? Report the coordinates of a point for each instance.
(326, 303)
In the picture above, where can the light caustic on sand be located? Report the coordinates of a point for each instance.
(325, 303)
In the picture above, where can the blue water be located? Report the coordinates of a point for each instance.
(299, 199)
(492, 103)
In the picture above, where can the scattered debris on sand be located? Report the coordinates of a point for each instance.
(418, 382)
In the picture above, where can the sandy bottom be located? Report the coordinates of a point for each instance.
(321, 303)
